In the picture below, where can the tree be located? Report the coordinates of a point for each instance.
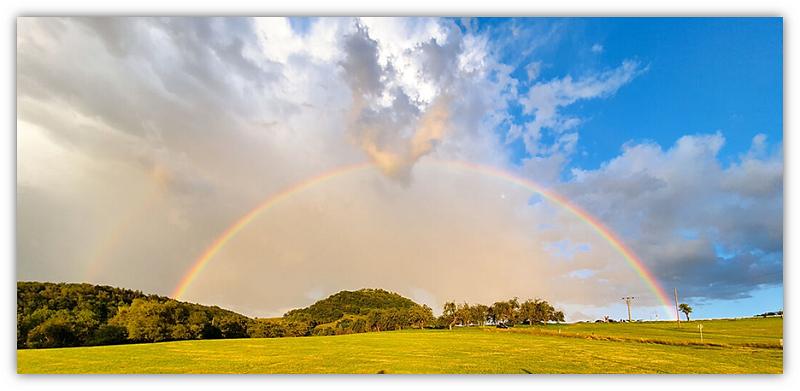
(54, 332)
(479, 313)
(231, 326)
(527, 311)
(449, 313)
(266, 328)
(375, 320)
(395, 319)
(491, 315)
(199, 325)
(143, 321)
(359, 326)
(464, 314)
(502, 312)
(180, 332)
(543, 311)
(108, 335)
(686, 309)
(419, 316)
(558, 316)
(513, 313)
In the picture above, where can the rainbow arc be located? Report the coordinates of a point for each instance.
(606, 233)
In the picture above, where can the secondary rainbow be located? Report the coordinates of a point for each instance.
(607, 234)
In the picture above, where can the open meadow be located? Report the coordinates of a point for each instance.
(730, 346)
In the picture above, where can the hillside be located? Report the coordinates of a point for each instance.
(64, 314)
(67, 314)
(358, 302)
(364, 310)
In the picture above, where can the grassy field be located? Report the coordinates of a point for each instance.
(578, 348)
(751, 332)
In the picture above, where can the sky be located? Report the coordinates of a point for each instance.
(140, 141)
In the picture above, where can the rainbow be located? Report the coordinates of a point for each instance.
(630, 257)
(228, 234)
(116, 235)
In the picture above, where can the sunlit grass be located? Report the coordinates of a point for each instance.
(463, 350)
(752, 332)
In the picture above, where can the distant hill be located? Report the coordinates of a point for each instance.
(68, 314)
(358, 302)
(360, 311)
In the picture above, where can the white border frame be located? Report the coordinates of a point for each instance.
(13, 8)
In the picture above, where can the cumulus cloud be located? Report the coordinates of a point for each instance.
(680, 207)
(545, 99)
(387, 123)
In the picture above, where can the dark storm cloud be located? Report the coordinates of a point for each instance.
(699, 225)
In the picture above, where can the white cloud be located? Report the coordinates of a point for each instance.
(545, 99)
(533, 70)
(653, 196)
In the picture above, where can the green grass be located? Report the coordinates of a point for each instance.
(463, 350)
(753, 332)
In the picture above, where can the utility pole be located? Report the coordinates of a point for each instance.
(628, 302)
(700, 326)
(677, 312)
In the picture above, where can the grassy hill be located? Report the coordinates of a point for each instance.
(462, 350)
(357, 302)
(64, 314)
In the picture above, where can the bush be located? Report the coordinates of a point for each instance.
(324, 330)
(109, 335)
(231, 326)
(360, 326)
(53, 333)
(181, 332)
(263, 328)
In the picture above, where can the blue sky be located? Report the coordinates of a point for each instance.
(703, 75)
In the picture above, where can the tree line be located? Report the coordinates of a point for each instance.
(504, 313)
(59, 315)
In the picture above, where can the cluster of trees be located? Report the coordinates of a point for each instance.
(358, 302)
(361, 311)
(50, 315)
(57, 315)
(379, 320)
(507, 312)
(155, 321)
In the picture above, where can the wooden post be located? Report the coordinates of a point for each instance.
(700, 326)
